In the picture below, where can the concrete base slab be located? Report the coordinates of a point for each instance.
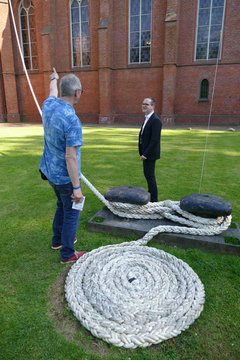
(105, 221)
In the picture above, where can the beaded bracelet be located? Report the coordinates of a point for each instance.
(77, 187)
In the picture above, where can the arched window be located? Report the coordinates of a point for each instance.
(80, 34)
(204, 89)
(28, 34)
(140, 31)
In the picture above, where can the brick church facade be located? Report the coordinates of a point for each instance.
(183, 53)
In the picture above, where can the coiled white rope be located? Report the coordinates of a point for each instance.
(131, 295)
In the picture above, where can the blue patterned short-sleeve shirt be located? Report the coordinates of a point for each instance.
(62, 128)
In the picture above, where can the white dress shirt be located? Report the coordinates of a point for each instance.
(146, 120)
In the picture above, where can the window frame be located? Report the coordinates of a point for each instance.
(20, 7)
(139, 39)
(81, 66)
(202, 84)
(208, 37)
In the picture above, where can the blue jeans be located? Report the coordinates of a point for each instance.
(65, 222)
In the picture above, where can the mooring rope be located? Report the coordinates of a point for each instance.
(131, 295)
(194, 225)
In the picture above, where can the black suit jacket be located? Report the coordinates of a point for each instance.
(149, 141)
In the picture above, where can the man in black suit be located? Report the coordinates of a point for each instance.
(149, 145)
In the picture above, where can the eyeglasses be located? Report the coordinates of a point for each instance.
(146, 104)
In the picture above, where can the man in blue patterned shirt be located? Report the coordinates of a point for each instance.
(61, 161)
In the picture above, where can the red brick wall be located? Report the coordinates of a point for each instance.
(130, 87)
(113, 89)
(132, 83)
(9, 107)
(3, 109)
(226, 104)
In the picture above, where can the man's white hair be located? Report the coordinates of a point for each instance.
(68, 84)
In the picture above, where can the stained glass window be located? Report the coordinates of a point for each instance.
(28, 34)
(140, 31)
(210, 26)
(80, 34)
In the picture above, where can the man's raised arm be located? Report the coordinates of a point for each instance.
(53, 91)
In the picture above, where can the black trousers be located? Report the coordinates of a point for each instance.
(149, 173)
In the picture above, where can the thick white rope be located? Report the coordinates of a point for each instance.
(168, 209)
(131, 295)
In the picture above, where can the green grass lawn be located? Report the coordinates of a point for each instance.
(35, 322)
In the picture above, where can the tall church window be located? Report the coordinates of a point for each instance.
(28, 34)
(209, 28)
(80, 34)
(204, 88)
(140, 31)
